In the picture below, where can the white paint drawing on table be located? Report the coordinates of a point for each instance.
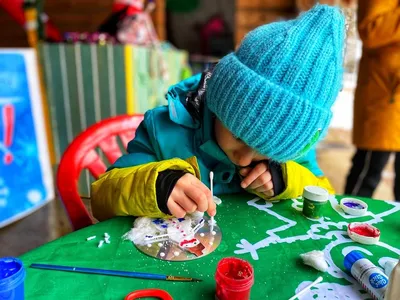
(323, 290)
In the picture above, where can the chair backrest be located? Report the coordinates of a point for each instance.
(82, 154)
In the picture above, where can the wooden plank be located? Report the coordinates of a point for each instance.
(103, 80)
(49, 86)
(158, 17)
(77, 4)
(247, 21)
(252, 19)
(86, 58)
(57, 96)
(72, 80)
(240, 33)
(141, 79)
(11, 35)
(265, 4)
(119, 71)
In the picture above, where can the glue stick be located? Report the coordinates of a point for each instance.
(371, 278)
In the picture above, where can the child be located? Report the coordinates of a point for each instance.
(253, 120)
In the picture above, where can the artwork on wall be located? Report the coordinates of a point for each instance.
(26, 181)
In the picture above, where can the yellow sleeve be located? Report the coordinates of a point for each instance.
(296, 177)
(379, 22)
(131, 191)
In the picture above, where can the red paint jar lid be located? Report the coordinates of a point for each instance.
(363, 233)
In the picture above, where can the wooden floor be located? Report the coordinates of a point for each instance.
(50, 222)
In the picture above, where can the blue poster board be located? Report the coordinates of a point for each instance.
(26, 181)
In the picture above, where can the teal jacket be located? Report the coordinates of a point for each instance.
(171, 132)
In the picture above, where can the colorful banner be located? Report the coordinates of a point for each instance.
(26, 181)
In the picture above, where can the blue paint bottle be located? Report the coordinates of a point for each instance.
(12, 276)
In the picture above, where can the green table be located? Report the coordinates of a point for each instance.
(270, 236)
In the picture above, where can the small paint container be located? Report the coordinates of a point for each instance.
(234, 278)
(12, 276)
(363, 233)
(314, 201)
(354, 207)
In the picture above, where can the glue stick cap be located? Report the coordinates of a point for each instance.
(351, 258)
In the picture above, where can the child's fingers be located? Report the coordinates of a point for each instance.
(212, 208)
(254, 174)
(186, 202)
(268, 193)
(205, 190)
(175, 209)
(198, 196)
(265, 188)
(263, 180)
(244, 171)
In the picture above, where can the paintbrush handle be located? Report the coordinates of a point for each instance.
(100, 271)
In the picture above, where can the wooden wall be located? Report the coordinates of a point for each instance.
(71, 15)
(253, 13)
(11, 34)
(250, 14)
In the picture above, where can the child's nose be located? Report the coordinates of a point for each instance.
(243, 160)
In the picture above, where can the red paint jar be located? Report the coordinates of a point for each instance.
(234, 278)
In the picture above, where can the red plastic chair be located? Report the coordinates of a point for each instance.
(81, 154)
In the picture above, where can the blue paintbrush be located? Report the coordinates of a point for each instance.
(114, 273)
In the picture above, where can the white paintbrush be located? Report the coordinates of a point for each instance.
(212, 196)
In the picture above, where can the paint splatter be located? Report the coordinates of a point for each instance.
(176, 253)
(202, 234)
(162, 254)
(213, 233)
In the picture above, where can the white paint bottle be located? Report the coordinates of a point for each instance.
(393, 290)
(371, 278)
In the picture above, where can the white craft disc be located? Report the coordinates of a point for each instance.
(167, 250)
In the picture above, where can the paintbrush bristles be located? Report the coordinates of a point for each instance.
(178, 278)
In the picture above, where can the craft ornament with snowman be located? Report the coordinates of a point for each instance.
(176, 239)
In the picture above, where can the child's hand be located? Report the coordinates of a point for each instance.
(190, 195)
(258, 179)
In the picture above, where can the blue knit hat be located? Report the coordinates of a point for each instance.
(276, 91)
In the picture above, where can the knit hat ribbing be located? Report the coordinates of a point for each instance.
(276, 92)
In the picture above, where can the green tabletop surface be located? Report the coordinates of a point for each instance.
(270, 236)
